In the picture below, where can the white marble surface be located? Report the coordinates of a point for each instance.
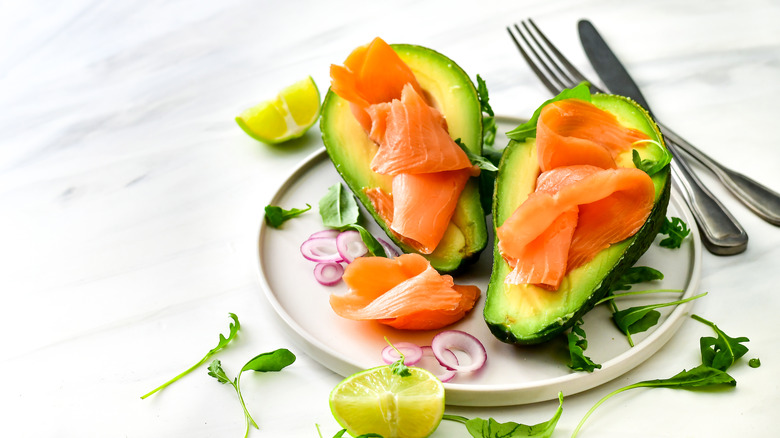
(130, 200)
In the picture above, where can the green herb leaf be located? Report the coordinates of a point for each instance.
(636, 274)
(640, 318)
(490, 428)
(269, 362)
(374, 247)
(223, 342)
(275, 216)
(754, 363)
(701, 376)
(528, 129)
(477, 160)
(651, 167)
(577, 346)
(488, 120)
(338, 208)
(676, 229)
(722, 352)
(216, 371)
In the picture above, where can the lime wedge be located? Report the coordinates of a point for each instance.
(378, 401)
(287, 116)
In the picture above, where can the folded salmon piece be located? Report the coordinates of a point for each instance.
(576, 211)
(572, 131)
(405, 293)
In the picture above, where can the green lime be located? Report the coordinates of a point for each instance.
(287, 116)
(378, 401)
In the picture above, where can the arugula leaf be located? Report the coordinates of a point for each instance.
(275, 216)
(373, 245)
(223, 342)
(488, 121)
(720, 353)
(478, 160)
(338, 208)
(528, 129)
(676, 229)
(640, 318)
(701, 376)
(651, 167)
(490, 428)
(636, 274)
(754, 363)
(398, 367)
(341, 433)
(270, 362)
(577, 346)
(266, 362)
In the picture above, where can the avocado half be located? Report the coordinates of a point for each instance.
(451, 91)
(526, 314)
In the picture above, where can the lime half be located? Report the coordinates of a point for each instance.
(287, 116)
(378, 401)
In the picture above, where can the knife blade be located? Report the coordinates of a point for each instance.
(721, 233)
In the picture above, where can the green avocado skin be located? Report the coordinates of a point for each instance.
(351, 151)
(498, 314)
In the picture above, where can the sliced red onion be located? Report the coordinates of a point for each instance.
(321, 249)
(350, 245)
(328, 273)
(458, 340)
(432, 364)
(389, 250)
(325, 233)
(412, 353)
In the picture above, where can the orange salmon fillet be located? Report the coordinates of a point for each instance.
(573, 131)
(405, 293)
(578, 211)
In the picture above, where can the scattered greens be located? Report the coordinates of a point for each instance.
(223, 342)
(339, 210)
(676, 229)
(577, 346)
(275, 216)
(528, 129)
(340, 434)
(701, 376)
(754, 363)
(490, 428)
(722, 352)
(488, 120)
(477, 160)
(636, 274)
(266, 362)
(399, 367)
(651, 167)
(640, 318)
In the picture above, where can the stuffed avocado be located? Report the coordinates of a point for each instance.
(451, 92)
(529, 314)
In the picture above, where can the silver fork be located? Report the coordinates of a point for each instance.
(720, 231)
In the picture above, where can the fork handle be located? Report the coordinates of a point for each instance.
(763, 201)
(720, 232)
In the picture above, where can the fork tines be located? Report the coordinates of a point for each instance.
(552, 68)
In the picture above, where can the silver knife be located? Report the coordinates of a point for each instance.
(721, 233)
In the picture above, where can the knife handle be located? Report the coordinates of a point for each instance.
(720, 232)
(762, 200)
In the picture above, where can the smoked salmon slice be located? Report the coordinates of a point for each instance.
(405, 293)
(577, 211)
(412, 137)
(572, 131)
(371, 74)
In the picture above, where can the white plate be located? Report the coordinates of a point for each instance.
(512, 375)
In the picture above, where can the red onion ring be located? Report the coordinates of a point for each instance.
(458, 340)
(321, 250)
(432, 364)
(389, 250)
(328, 273)
(325, 233)
(350, 245)
(412, 353)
